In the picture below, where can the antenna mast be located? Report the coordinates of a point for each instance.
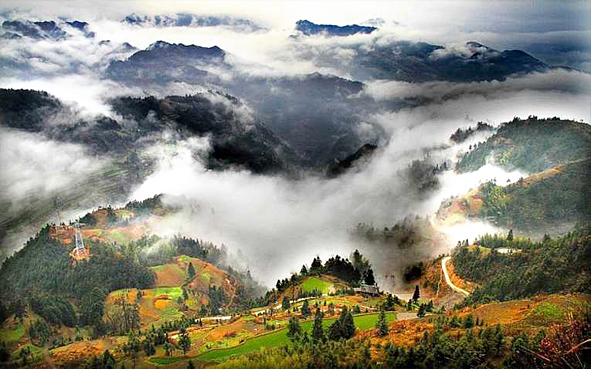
(79, 251)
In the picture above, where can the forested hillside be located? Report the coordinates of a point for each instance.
(527, 268)
(531, 145)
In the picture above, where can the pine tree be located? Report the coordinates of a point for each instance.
(108, 361)
(417, 294)
(382, 324)
(348, 326)
(306, 309)
(184, 341)
(191, 271)
(369, 277)
(294, 330)
(510, 235)
(421, 312)
(285, 304)
(317, 331)
(304, 270)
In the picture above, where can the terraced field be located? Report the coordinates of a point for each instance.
(277, 338)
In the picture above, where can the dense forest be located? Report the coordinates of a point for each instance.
(461, 135)
(409, 232)
(548, 266)
(531, 145)
(353, 272)
(538, 202)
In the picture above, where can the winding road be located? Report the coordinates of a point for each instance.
(448, 280)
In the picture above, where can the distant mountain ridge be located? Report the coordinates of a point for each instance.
(191, 20)
(19, 28)
(423, 62)
(308, 28)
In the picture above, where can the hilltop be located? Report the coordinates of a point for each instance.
(531, 145)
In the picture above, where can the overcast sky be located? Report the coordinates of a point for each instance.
(558, 32)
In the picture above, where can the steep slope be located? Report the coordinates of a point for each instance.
(358, 158)
(547, 202)
(317, 115)
(422, 62)
(531, 145)
(163, 62)
(234, 141)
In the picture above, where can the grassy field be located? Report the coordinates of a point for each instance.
(316, 283)
(166, 360)
(278, 338)
(10, 336)
(172, 292)
(35, 355)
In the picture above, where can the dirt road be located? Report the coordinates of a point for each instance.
(448, 280)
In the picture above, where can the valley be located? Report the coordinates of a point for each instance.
(319, 185)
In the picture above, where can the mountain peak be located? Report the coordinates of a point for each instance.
(309, 28)
(159, 45)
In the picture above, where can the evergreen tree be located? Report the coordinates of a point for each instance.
(191, 270)
(316, 265)
(417, 294)
(306, 309)
(369, 277)
(294, 330)
(108, 361)
(184, 341)
(390, 302)
(382, 324)
(335, 331)
(348, 325)
(304, 270)
(421, 312)
(285, 304)
(510, 235)
(317, 331)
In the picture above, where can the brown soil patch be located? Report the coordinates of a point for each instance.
(169, 275)
(78, 352)
(162, 303)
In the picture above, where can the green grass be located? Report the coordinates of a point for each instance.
(205, 276)
(12, 335)
(184, 258)
(172, 292)
(278, 338)
(157, 267)
(547, 312)
(167, 360)
(118, 236)
(35, 355)
(316, 283)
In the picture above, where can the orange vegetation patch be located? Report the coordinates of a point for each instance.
(225, 331)
(542, 175)
(402, 333)
(169, 275)
(78, 352)
(162, 303)
(207, 275)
